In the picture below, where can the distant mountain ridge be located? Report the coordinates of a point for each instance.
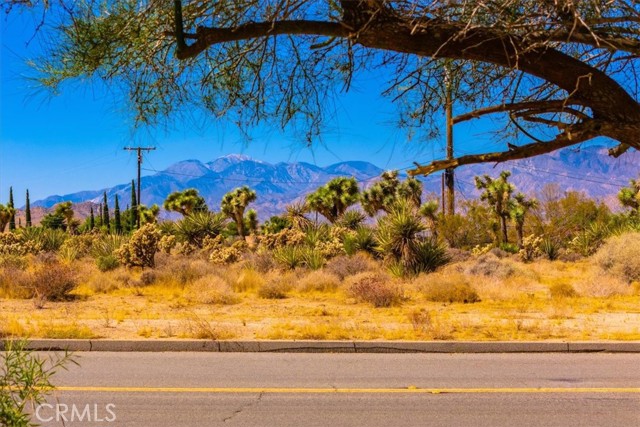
(589, 169)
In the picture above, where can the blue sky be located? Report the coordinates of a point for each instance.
(74, 141)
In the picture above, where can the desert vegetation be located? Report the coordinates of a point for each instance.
(374, 263)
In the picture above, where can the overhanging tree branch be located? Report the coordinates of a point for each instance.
(574, 135)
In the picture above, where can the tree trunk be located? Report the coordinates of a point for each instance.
(520, 231)
(505, 237)
(240, 224)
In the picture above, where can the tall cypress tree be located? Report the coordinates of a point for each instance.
(134, 206)
(92, 220)
(27, 211)
(116, 216)
(12, 220)
(105, 212)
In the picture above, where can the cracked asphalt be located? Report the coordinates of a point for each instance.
(253, 389)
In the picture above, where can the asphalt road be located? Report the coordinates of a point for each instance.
(249, 389)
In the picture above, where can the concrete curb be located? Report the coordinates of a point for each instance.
(333, 346)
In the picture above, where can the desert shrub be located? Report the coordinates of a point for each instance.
(103, 284)
(211, 289)
(510, 248)
(489, 265)
(181, 270)
(107, 263)
(562, 290)
(262, 262)
(457, 255)
(499, 253)
(276, 287)
(11, 261)
(289, 256)
(620, 256)
(321, 281)
(374, 288)
(148, 277)
(15, 283)
(248, 280)
(344, 266)
(446, 288)
(52, 281)
(107, 245)
(141, 249)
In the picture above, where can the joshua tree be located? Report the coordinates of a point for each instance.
(332, 199)
(385, 193)
(519, 208)
(497, 193)
(234, 204)
(429, 210)
(5, 216)
(65, 210)
(630, 196)
(295, 215)
(185, 202)
(148, 215)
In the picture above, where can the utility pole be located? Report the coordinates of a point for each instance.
(139, 150)
(448, 173)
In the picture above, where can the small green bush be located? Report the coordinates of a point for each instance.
(107, 263)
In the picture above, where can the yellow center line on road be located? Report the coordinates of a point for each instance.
(408, 390)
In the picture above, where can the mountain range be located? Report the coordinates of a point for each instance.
(588, 169)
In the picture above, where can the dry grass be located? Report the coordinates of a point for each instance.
(205, 301)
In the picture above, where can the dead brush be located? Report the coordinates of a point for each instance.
(211, 290)
(449, 288)
(374, 288)
(319, 281)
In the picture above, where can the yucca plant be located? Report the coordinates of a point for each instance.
(199, 225)
(289, 256)
(107, 244)
(398, 233)
(429, 255)
(313, 259)
(315, 234)
(351, 219)
(50, 240)
(363, 240)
